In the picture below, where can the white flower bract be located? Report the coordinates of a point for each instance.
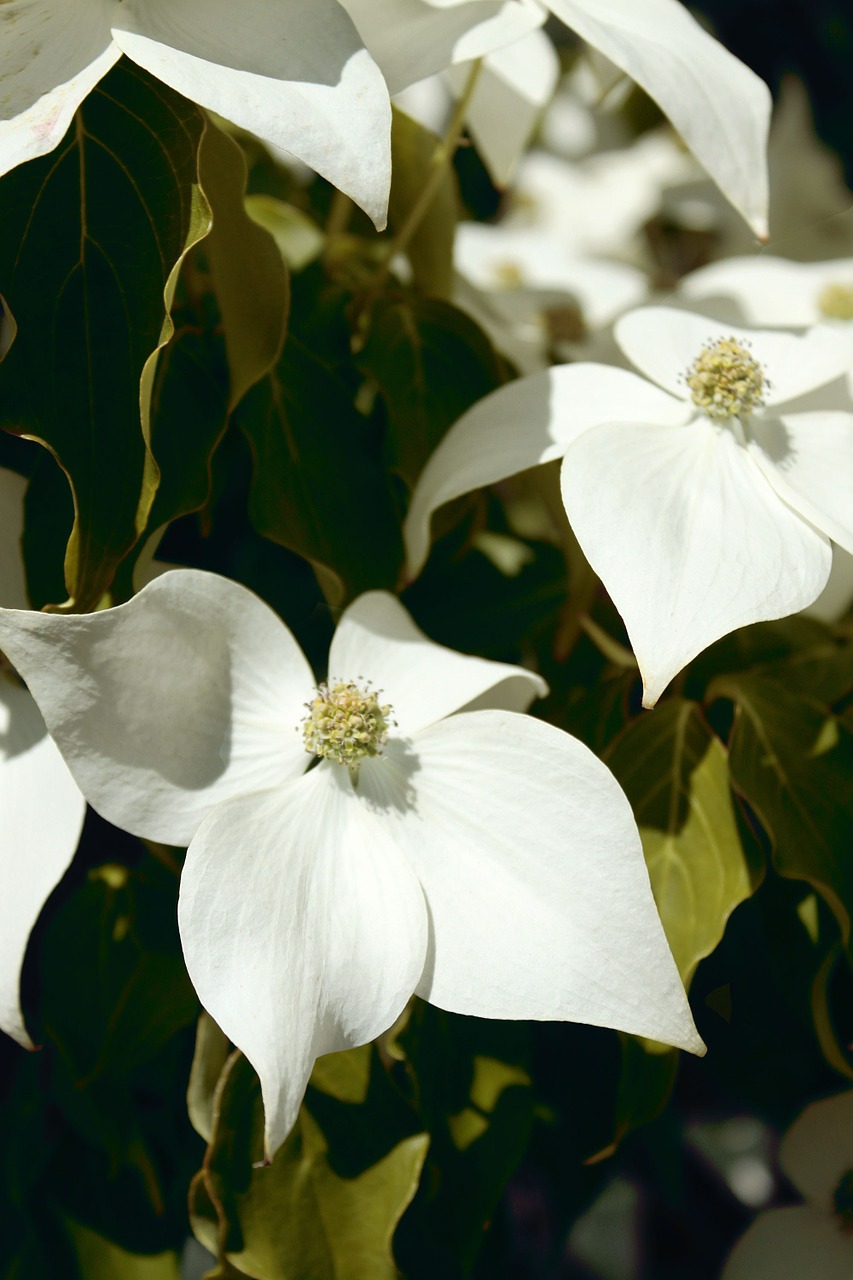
(484, 859)
(696, 524)
(41, 808)
(296, 74)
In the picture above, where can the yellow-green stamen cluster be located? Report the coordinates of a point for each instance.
(836, 301)
(842, 1201)
(726, 380)
(346, 723)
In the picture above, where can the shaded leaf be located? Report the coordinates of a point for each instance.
(100, 1259)
(430, 250)
(791, 759)
(312, 1212)
(430, 363)
(92, 233)
(673, 770)
(318, 486)
(249, 274)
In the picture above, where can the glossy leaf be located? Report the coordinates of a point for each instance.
(429, 363)
(430, 250)
(91, 235)
(318, 486)
(309, 1213)
(674, 772)
(100, 1259)
(790, 759)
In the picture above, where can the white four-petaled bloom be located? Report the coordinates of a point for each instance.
(704, 500)
(479, 857)
(296, 74)
(815, 1239)
(41, 808)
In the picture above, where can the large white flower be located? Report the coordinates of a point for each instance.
(485, 860)
(720, 107)
(41, 809)
(292, 72)
(776, 292)
(813, 1240)
(701, 500)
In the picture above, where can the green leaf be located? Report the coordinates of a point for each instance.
(429, 363)
(92, 233)
(299, 240)
(472, 1087)
(249, 274)
(318, 485)
(791, 759)
(430, 250)
(328, 1205)
(673, 770)
(100, 1259)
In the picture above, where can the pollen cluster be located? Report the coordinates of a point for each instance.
(726, 380)
(346, 723)
(836, 301)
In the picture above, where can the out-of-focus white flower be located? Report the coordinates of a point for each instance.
(720, 108)
(596, 206)
(813, 1240)
(295, 74)
(702, 501)
(776, 292)
(481, 858)
(534, 298)
(41, 809)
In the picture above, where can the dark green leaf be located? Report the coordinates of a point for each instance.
(791, 759)
(674, 773)
(318, 485)
(92, 233)
(430, 250)
(429, 363)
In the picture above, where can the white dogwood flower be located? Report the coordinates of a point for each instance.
(296, 74)
(814, 1239)
(700, 498)
(776, 292)
(41, 808)
(479, 857)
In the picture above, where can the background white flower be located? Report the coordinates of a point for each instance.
(813, 1240)
(484, 859)
(696, 523)
(41, 809)
(296, 74)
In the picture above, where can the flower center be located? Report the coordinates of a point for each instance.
(842, 1201)
(836, 301)
(346, 723)
(508, 274)
(726, 380)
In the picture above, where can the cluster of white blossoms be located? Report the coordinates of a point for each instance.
(443, 844)
(404, 827)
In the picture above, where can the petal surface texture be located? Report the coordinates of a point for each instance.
(664, 342)
(530, 861)
(187, 695)
(808, 459)
(720, 107)
(296, 74)
(413, 39)
(518, 426)
(791, 1244)
(304, 930)
(53, 54)
(377, 641)
(688, 537)
(41, 815)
